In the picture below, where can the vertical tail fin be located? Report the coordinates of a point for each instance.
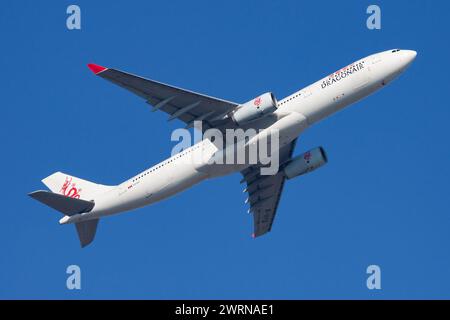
(74, 187)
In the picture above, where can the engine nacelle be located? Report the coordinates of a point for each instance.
(255, 109)
(307, 162)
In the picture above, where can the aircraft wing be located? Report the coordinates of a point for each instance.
(264, 192)
(179, 103)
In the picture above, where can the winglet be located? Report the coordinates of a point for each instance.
(95, 68)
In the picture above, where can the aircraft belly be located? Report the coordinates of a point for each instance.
(225, 161)
(178, 177)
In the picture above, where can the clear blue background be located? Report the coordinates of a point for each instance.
(382, 199)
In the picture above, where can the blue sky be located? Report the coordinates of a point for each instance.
(382, 198)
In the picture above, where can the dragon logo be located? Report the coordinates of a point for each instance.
(257, 102)
(307, 156)
(69, 189)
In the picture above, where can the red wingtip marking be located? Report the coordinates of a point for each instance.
(95, 68)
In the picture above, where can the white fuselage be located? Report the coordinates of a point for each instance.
(295, 113)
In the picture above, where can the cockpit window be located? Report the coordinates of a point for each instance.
(396, 50)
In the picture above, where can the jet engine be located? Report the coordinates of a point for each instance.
(307, 162)
(255, 109)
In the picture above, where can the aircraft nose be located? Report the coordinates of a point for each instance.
(409, 56)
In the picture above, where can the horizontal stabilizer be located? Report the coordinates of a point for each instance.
(65, 205)
(86, 231)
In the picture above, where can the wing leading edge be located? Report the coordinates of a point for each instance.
(185, 105)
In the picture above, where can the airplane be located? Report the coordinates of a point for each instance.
(83, 202)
